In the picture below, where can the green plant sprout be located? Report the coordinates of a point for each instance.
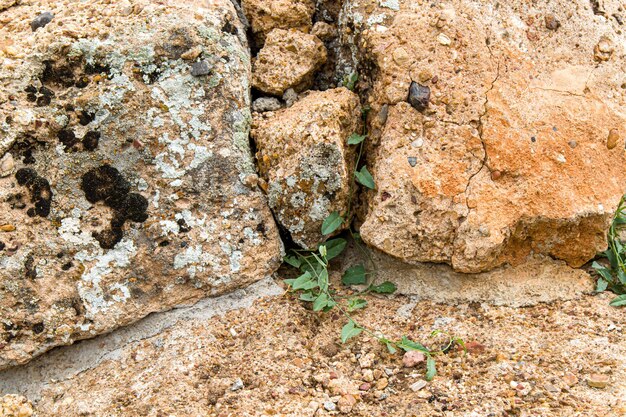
(313, 283)
(613, 277)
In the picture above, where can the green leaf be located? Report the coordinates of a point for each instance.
(350, 81)
(431, 370)
(355, 139)
(354, 275)
(349, 331)
(601, 285)
(307, 296)
(364, 177)
(304, 282)
(322, 279)
(618, 301)
(602, 271)
(289, 282)
(331, 223)
(356, 304)
(407, 344)
(386, 287)
(621, 276)
(320, 302)
(390, 347)
(334, 247)
(293, 261)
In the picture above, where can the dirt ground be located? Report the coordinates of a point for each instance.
(278, 358)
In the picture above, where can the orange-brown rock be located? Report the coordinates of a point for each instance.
(289, 59)
(267, 15)
(304, 157)
(520, 148)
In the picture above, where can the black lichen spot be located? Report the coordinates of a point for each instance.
(38, 328)
(229, 28)
(43, 101)
(67, 266)
(91, 140)
(164, 243)
(134, 208)
(67, 138)
(40, 191)
(109, 238)
(82, 82)
(2, 245)
(25, 176)
(183, 226)
(28, 157)
(31, 89)
(84, 118)
(45, 91)
(96, 68)
(419, 96)
(105, 183)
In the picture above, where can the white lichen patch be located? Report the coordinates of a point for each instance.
(89, 289)
(71, 232)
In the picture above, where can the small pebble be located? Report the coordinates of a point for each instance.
(611, 141)
(290, 96)
(598, 381)
(443, 39)
(552, 23)
(330, 406)
(573, 144)
(413, 358)
(419, 96)
(412, 161)
(41, 20)
(200, 68)
(7, 228)
(237, 385)
(416, 386)
(570, 379)
(264, 104)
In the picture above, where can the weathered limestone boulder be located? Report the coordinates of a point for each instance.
(513, 141)
(289, 59)
(304, 158)
(130, 186)
(267, 15)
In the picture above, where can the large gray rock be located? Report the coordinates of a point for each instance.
(128, 185)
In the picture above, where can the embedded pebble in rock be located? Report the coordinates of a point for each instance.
(330, 406)
(41, 21)
(7, 165)
(128, 182)
(514, 139)
(413, 358)
(303, 156)
(264, 104)
(419, 96)
(201, 68)
(289, 59)
(267, 15)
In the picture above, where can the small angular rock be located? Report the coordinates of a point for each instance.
(41, 21)
(419, 96)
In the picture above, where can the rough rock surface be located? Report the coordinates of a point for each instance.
(304, 158)
(290, 362)
(12, 405)
(131, 186)
(520, 146)
(267, 15)
(289, 59)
